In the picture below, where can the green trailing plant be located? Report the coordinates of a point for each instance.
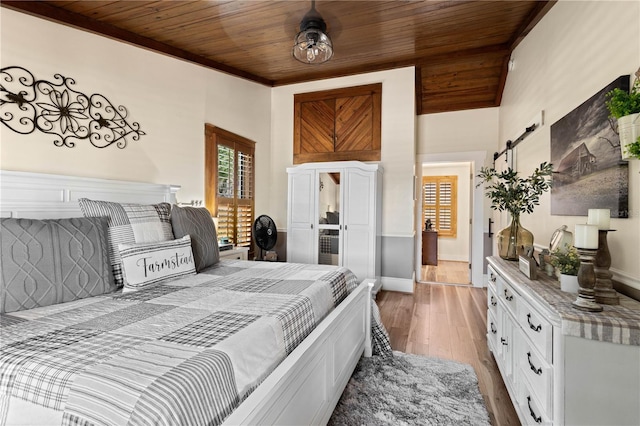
(566, 260)
(620, 102)
(509, 192)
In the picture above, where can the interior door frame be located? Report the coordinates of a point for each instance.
(477, 160)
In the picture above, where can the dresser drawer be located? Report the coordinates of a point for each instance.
(492, 301)
(536, 372)
(492, 330)
(537, 329)
(493, 277)
(531, 410)
(508, 296)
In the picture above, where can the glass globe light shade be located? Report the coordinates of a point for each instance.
(312, 46)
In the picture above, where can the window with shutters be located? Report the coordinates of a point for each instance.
(229, 186)
(439, 203)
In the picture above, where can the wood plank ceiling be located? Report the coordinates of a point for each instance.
(460, 48)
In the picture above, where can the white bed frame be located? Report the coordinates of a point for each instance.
(306, 386)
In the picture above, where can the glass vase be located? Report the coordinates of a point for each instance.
(514, 240)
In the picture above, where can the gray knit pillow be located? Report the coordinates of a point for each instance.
(197, 222)
(44, 262)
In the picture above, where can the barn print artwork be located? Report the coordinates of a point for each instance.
(585, 153)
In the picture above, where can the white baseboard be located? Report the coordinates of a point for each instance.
(454, 258)
(404, 285)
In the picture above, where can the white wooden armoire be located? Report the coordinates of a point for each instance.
(334, 215)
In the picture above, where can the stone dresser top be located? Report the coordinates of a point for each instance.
(615, 324)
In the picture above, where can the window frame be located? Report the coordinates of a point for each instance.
(215, 137)
(438, 180)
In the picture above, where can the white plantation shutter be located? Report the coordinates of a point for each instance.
(230, 170)
(439, 203)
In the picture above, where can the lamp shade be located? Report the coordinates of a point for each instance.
(312, 45)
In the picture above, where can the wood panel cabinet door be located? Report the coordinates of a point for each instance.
(338, 125)
(355, 125)
(317, 124)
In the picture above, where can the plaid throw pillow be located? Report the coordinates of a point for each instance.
(129, 224)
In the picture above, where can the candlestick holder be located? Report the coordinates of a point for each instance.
(604, 291)
(586, 300)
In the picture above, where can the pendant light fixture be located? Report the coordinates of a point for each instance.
(312, 45)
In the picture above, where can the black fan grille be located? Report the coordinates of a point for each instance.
(265, 232)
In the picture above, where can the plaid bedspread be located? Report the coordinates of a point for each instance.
(185, 352)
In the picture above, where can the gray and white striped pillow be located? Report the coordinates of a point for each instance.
(129, 224)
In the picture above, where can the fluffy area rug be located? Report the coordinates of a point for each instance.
(411, 390)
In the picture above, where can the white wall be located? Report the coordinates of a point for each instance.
(456, 249)
(397, 151)
(169, 98)
(577, 49)
(459, 131)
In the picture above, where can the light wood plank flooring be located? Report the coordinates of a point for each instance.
(447, 271)
(449, 322)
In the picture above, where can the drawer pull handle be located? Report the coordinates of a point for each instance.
(494, 330)
(504, 341)
(493, 301)
(535, 328)
(506, 295)
(537, 419)
(492, 278)
(538, 371)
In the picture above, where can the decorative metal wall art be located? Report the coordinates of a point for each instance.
(55, 108)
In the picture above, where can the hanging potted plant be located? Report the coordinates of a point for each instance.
(625, 107)
(567, 261)
(509, 192)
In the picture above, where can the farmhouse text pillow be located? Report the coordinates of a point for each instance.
(151, 263)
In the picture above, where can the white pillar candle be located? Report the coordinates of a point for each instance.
(586, 236)
(600, 217)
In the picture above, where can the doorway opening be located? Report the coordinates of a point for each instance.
(460, 256)
(445, 198)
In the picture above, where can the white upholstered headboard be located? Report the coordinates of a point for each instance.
(46, 196)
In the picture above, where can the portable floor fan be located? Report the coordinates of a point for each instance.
(265, 233)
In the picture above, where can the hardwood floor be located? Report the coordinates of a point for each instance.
(447, 271)
(449, 322)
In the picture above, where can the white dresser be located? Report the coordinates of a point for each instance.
(561, 365)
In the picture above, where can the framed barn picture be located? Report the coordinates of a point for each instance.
(585, 153)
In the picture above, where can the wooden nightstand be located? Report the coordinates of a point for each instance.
(236, 253)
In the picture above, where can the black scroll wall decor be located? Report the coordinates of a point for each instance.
(56, 108)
